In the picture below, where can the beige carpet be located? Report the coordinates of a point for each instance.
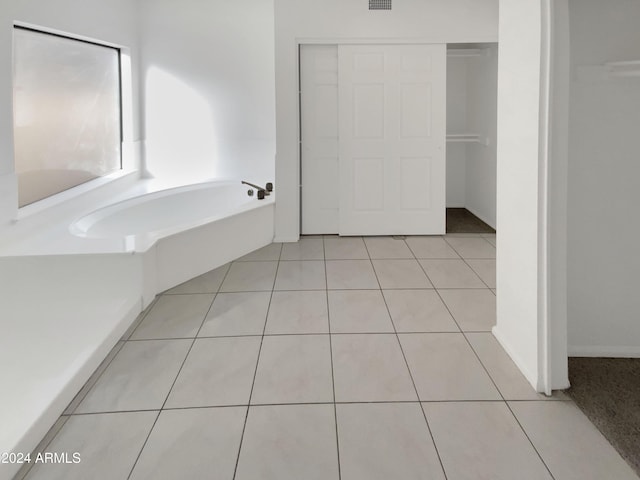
(608, 392)
(461, 220)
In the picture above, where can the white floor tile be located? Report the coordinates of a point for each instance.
(42, 447)
(400, 274)
(250, 277)
(474, 310)
(267, 253)
(218, 371)
(382, 441)
(345, 248)
(419, 311)
(192, 444)
(472, 247)
(486, 270)
(138, 378)
(207, 283)
(490, 237)
(453, 273)
(298, 312)
(294, 369)
(387, 247)
(93, 379)
(304, 249)
(301, 275)
(431, 247)
(108, 445)
(444, 367)
(571, 446)
(368, 368)
(503, 371)
(289, 442)
(482, 440)
(242, 313)
(358, 311)
(476, 436)
(174, 316)
(351, 274)
(138, 320)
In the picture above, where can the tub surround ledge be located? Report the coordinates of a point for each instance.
(67, 299)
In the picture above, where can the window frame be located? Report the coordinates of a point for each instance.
(126, 164)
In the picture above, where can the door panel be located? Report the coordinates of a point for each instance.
(319, 134)
(391, 114)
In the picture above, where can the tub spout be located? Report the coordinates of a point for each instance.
(261, 191)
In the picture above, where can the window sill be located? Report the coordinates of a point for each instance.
(70, 194)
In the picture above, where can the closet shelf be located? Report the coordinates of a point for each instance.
(465, 52)
(467, 138)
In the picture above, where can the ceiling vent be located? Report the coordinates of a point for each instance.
(379, 4)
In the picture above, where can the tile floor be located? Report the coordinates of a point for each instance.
(330, 358)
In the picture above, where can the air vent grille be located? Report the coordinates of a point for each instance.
(379, 4)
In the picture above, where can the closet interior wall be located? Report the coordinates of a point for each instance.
(472, 93)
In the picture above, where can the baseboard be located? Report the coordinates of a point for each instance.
(603, 351)
(530, 376)
(482, 217)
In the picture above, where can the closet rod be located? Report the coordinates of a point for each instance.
(465, 52)
(467, 138)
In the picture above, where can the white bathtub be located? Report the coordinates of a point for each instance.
(184, 231)
(168, 211)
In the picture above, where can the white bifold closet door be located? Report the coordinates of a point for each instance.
(391, 118)
(319, 134)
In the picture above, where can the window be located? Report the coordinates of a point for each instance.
(67, 113)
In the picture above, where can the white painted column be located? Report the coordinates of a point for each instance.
(520, 313)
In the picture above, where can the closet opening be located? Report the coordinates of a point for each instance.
(466, 122)
(472, 98)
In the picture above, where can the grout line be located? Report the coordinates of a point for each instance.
(333, 380)
(255, 371)
(474, 270)
(468, 266)
(91, 382)
(415, 388)
(529, 438)
(144, 444)
(136, 323)
(51, 434)
(184, 361)
(344, 402)
(471, 258)
(494, 383)
(163, 294)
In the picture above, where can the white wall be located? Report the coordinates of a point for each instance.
(114, 22)
(482, 104)
(557, 194)
(517, 266)
(209, 101)
(335, 21)
(456, 123)
(604, 173)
